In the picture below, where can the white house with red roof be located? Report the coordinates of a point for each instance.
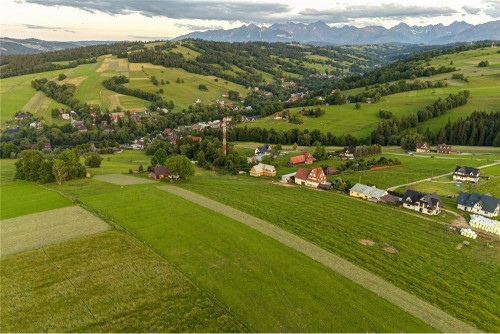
(310, 178)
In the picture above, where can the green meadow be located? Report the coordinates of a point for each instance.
(106, 282)
(343, 119)
(265, 285)
(463, 282)
(183, 94)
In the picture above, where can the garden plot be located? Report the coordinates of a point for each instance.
(122, 180)
(48, 227)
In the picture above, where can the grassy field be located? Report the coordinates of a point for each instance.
(119, 163)
(483, 85)
(427, 263)
(47, 227)
(21, 198)
(107, 282)
(16, 92)
(183, 94)
(266, 285)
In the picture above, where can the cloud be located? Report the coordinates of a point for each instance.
(36, 27)
(471, 10)
(259, 12)
(492, 9)
(389, 11)
(197, 26)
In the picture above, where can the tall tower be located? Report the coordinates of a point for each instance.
(224, 135)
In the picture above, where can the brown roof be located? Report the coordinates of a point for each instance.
(420, 145)
(298, 159)
(161, 170)
(302, 174)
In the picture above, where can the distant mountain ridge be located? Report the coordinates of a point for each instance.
(33, 45)
(320, 32)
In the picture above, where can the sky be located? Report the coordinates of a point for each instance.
(114, 20)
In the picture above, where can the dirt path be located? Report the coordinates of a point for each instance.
(435, 177)
(408, 302)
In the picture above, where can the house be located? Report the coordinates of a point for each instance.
(82, 128)
(22, 115)
(330, 170)
(423, 147)
(263, 150)
(443, 149)
(251, 159)
(467, 174)
(348, 152)
(288, 178)
(366, 192)
(310, 178)
(485, 205)
(47, 146)
(263, 170)
(278, 115)
(159, 172)
(369, 100)
(417, 201)
(65, 116)
(305, 158)
(198, 101)
(195, 138)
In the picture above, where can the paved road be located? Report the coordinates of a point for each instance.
(435, 177)
(408, 302)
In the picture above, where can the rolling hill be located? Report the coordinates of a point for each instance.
(34, 45)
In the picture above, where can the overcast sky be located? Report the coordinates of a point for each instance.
(66, 20)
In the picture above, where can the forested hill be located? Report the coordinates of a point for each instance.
(34, 45)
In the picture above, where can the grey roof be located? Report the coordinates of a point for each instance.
(467, 170)
(432, 200)
(488, 203)
(369, 191)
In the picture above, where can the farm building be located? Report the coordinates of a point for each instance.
(305, 158)
(159, 172)
(310, 178)
(423, 147)
(485, 205)
(348, 152)
(466, 174)
(366, 192)
(330, 170)
(263, 170)
(390, 199)
(278, 115)
(288, 178)
(417, 201)
(443, 149)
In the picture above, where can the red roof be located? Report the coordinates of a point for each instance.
(306, 154)
(302, 174)
(298, 159)
(317, 171)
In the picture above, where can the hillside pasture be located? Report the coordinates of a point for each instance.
(47, 227)
(182, 94)
(267, 286)
(462, 282)
(106, 282)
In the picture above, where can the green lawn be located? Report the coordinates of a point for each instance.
(21, 198)
(107, 282)
(462, 282)
(266, 285)
(120, 163)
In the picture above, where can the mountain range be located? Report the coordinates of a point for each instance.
(320, 32)
(33, 45)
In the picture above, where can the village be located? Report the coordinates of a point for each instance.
(481, 207)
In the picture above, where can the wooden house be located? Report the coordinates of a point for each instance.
(159, 172)
(423, 147)
(443, 149)
(263, 170)
(305, 158)
(310, 178)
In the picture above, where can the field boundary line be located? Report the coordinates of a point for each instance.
(415, 306)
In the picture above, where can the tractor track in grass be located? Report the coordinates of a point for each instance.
(415, 306)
